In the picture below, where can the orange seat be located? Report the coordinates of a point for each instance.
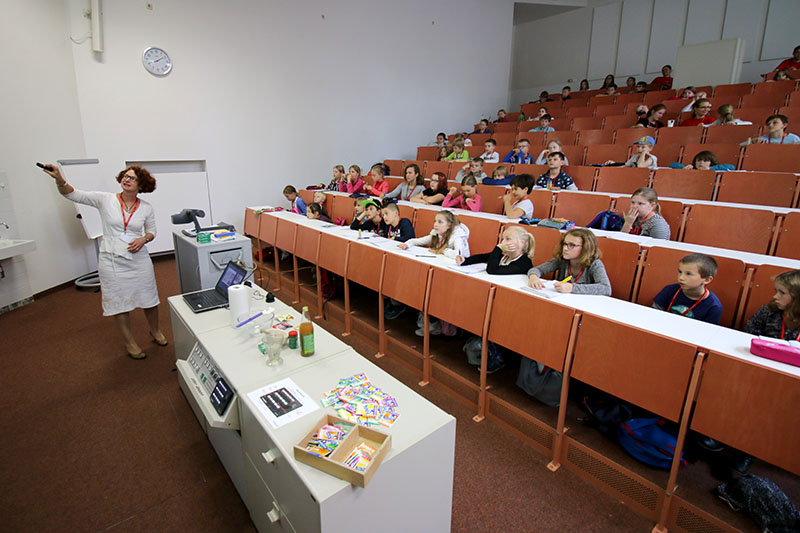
(342, 208)
(729, 134)
(477, 140)
(563, 136)
(562, 123)
(679, 183)
(423, 221)
(615, 122)
(604, 359)
(395, 182)
(533, 170)
(360, 257)
(771, 157)
(775, 87)
(405, 280)
(491, 198)
(631, 135)
(762, 289)
(671, 210)
(535, 138)
(307, 243)
(748, 230)
(756, 115)
(575, 112)
(512, 116)
(794, 99)
(726, 153)
(679, 136)
(531, 110)
(580, 208)
(483, 232)
(759, 188)
(789, 237)
(507, 138)
(582, 176)
(620, 259)
(395, 166)
(573, 153)
(407, 211)
(427, 153)
(284, 235)
(575, 102)
(675, 106)
(656, 97)
(306, 195)
(506, 127)
(595, 136)
(792, 113)
(732, 90)
(468, 313)
(667, 153)
(438, 166)
(552, 334)
(768, 100)
(542, 200)
(621, 179)
(661, 269)
(631, 98)
(332, 253)
(489, 167)
(598, 154)
(267, 227)
(587, 123)
(610, 109)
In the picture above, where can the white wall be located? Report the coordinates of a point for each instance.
(640, 39)
(268, 92)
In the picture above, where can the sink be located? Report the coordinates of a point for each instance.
(12, 247)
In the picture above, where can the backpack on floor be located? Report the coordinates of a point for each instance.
(650, 440)
(540, 381)
(607, 220)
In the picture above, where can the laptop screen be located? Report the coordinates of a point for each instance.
(232, 275)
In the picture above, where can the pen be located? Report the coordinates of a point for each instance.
(568, 278)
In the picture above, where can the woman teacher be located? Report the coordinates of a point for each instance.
(127, 280)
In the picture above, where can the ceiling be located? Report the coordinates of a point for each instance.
(528, 11)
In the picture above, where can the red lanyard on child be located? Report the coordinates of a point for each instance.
(705, 294)
(122, 209)
(782, 138)
(637, 230)
(783, 328)
(409, 190)
(569, 273)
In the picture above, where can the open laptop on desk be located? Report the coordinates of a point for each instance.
(218, 296)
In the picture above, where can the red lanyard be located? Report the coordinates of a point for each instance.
(409, 190)
(637, 230)
(122, 208)
(569, 273)
(783, 328)
(705, 294)
(782, 138)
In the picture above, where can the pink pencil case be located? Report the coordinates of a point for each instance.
(777, 351)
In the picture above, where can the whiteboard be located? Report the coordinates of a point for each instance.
(175, 190)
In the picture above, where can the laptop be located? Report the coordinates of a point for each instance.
(218, 296)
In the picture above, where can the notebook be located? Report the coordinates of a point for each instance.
(218, 296)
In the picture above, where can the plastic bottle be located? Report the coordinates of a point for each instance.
(306, 334)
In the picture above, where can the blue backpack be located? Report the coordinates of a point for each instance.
(607, 220)
(650, 440)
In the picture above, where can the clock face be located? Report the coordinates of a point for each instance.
(156, 61)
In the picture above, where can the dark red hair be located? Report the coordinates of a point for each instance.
(147, 183)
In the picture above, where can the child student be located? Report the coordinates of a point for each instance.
(411, 187)
(353, 184)
(467, 198)
(776, 132)
(576, 262)
(317, 211)
(379, 185)
(434, 194)
(555, 177)
(443, 152)
(643, 158)
(459, 154)
(370, 219)
(483, 127)
(394, 226)
(553, 145)
(544, 124)
(320, 197)
(704, 160)
(298, 205)
(499, 177)
(644, 217)
(489, 154)
(441, 139)
(780, 318)
(520, 154)
(338, 175)
(472, 169)
(515, 202)
(450, 238)
(501, 115)
(690, 297)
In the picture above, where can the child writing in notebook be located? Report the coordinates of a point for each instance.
(467, 198)
(576, 262)
(316, 211)
(370, 219)
(298, 205)
(409, 188)
(644, 216)
(379, 185)
(353, 183)
(434, 194)
(780, 318)
(515, 202)
(690, 297)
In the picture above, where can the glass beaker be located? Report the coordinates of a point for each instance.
(273, 342)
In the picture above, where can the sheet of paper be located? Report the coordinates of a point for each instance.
(470, 269)
(282, 402)
(386, 244)
(419, 251)
(549, 290)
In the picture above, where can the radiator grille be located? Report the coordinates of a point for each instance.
(694, 522)
(541, 434)
(627, 486)
(455, 383)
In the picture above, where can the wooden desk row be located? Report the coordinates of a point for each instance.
(600, 341)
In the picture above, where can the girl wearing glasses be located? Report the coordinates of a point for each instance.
(435, 192)
(576, 262)
(700, 111)
(127, 280)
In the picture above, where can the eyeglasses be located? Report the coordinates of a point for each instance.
(570, 245)
(132, 178)
(704, 107)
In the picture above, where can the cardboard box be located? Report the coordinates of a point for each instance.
(333, 464)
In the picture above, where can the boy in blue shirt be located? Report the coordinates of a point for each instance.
(520, 154)
(690, 297)
(544, 124)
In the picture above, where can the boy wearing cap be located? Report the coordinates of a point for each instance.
(642, 158)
